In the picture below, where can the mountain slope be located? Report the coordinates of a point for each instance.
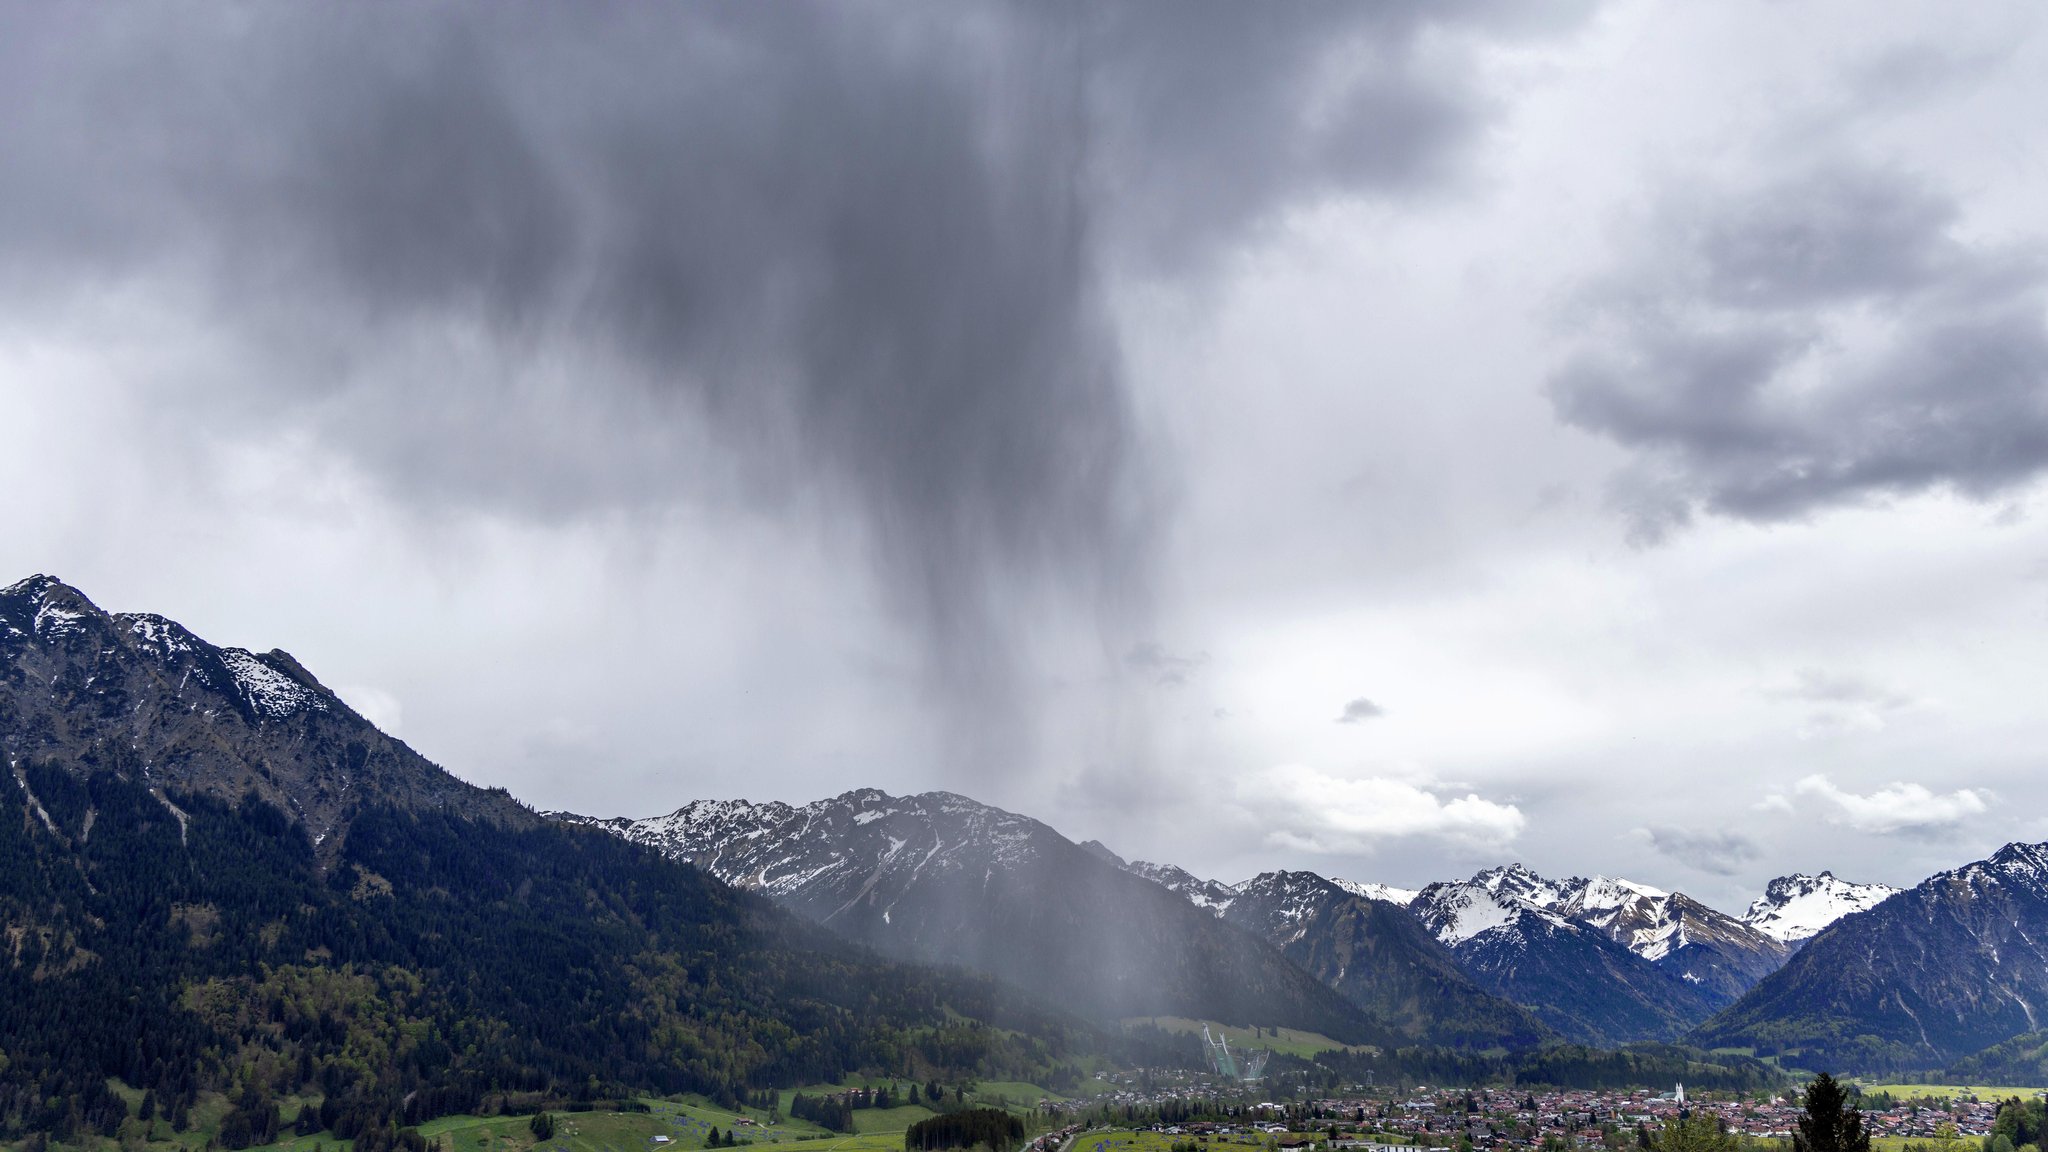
(940, 878)
(139, 694)
(1600, 961)
(166, 917)
(1707, 948)
(1795, 908)
(1211, 894)
(2020, 1060)
(1578, 981)
(1379, 956)
(1718, 955)
(1950, 967)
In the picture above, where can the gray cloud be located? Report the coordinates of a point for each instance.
(1820, 340)
(1820, 686)
(1839, 702)
(1718, 853)
(1165, 668)
(1359, 710)
(561, 263)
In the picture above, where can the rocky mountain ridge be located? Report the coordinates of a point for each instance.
(139, 692)
(1377, 955)
(1953, 966)
(940, 878)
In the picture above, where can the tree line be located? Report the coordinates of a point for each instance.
(432, 965)
(967, 1128)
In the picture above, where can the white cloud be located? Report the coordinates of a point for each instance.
(1310, 810)
(1840, 702)
(1896, 807)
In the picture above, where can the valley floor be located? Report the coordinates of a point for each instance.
(679, 1125)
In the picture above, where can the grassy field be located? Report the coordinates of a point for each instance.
(686, 1122)
(1124, 1141)
(862, 1142)
(1950, 1091)
(1292, 1041)
(1013, 1092)
(866, 1120)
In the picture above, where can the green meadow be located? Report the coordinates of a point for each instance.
(1292, 1041)
(687, 1122)
(1121, 1140)
(1951, 1091)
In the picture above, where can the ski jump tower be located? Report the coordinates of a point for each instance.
(1226, 1061)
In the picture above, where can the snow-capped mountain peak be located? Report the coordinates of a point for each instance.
(1515, 882)
(941, 878)
(1385, 893)
(782, 849)
(1211, 894)
(1604, 893)
(1459, 910)
(1795, 908)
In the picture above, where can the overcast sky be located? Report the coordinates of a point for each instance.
(1384, 439)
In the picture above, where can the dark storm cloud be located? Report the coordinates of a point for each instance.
(864, 245)
(1719, 853)
(1360, 710)
(1824, 340)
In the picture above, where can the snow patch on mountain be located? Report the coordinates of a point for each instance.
(1213, 895)
(1458, 910)
(54, 619)
(857, 839)
(1385, 893)
(165, 638)
(1796, 908)
(269, 692)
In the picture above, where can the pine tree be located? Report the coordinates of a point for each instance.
(1829, 1125)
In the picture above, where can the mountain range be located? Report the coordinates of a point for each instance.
(1665, 961)
(1505, 959)
(939, 878)
(268, 886)
(1372, 952)
(216, 876)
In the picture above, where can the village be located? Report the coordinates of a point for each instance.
(1517, 1118)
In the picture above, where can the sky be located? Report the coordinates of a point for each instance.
(1389, 440)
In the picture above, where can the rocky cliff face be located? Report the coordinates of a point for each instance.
(140, 694)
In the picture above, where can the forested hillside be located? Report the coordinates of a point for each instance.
(214, 875)
(439, 961)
